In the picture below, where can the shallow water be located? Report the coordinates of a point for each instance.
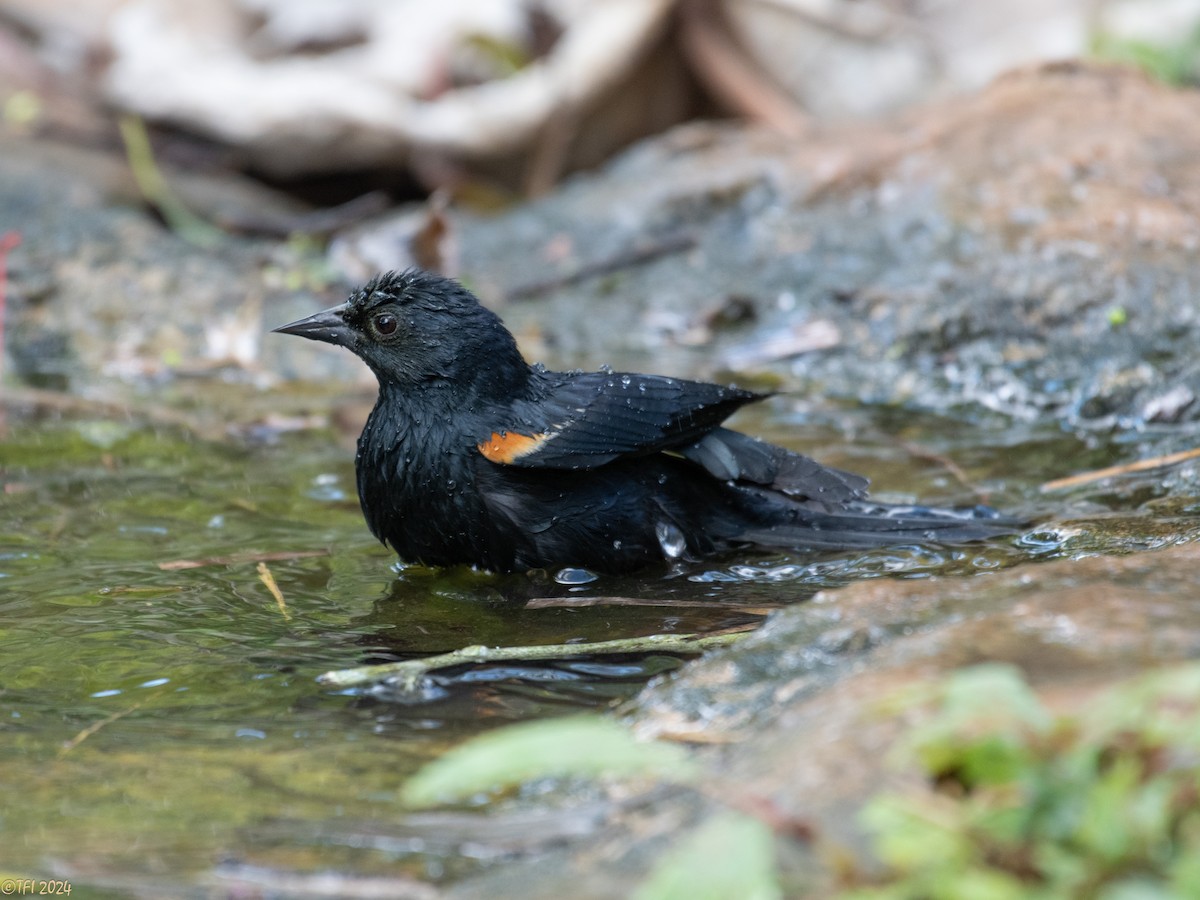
(161, 720)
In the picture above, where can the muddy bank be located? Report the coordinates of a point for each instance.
(1027, 250)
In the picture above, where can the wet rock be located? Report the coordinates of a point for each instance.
(1170, 406)
(803, 702)
(1015, 251)
(99, 289)
(819, 735)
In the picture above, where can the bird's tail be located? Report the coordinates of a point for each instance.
(862, 524)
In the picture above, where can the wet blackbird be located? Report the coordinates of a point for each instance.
(471, 455)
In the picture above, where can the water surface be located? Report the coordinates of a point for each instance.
(159, 713)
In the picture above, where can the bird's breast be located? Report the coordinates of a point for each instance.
(416, 487)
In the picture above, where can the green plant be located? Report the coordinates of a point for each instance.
(1021, 803)
(1176, 62)
(1010, 800)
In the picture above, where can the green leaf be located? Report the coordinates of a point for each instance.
(995, 694)
(1021, 803)
(913, 833)
(730, 855)
(981, 731)
(581, 746)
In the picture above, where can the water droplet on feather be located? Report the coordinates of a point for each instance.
(670, 539)
(575, 576)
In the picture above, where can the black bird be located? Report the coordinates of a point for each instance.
(471, 455)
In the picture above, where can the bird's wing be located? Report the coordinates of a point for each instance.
(585, 420)
(733, 456)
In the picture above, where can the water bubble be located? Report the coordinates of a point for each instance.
(626, 381)
(786, 573)
(746, 573)
(712, 577)
(670, 539)
(575, 576)
(1042, 541)
(606, 369)
(617, 545)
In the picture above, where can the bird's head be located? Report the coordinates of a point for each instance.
(414, 328)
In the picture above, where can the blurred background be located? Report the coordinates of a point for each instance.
(331, 97)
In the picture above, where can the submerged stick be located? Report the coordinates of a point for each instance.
(954, 469)
(409, 672)
(74, 742)
(704, 603)
(238, 558)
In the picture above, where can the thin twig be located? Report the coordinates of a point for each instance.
(640, 253)
(408, 673)
(318, 223)
(1142, 465)
(96, 726)
(708, 604)
(955, 470)
(268, 579)
(239, 558)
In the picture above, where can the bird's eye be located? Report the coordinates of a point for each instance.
(385, 323)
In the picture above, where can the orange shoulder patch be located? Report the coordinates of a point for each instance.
(508, 446)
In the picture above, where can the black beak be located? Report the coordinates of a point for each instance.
(328, 326)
